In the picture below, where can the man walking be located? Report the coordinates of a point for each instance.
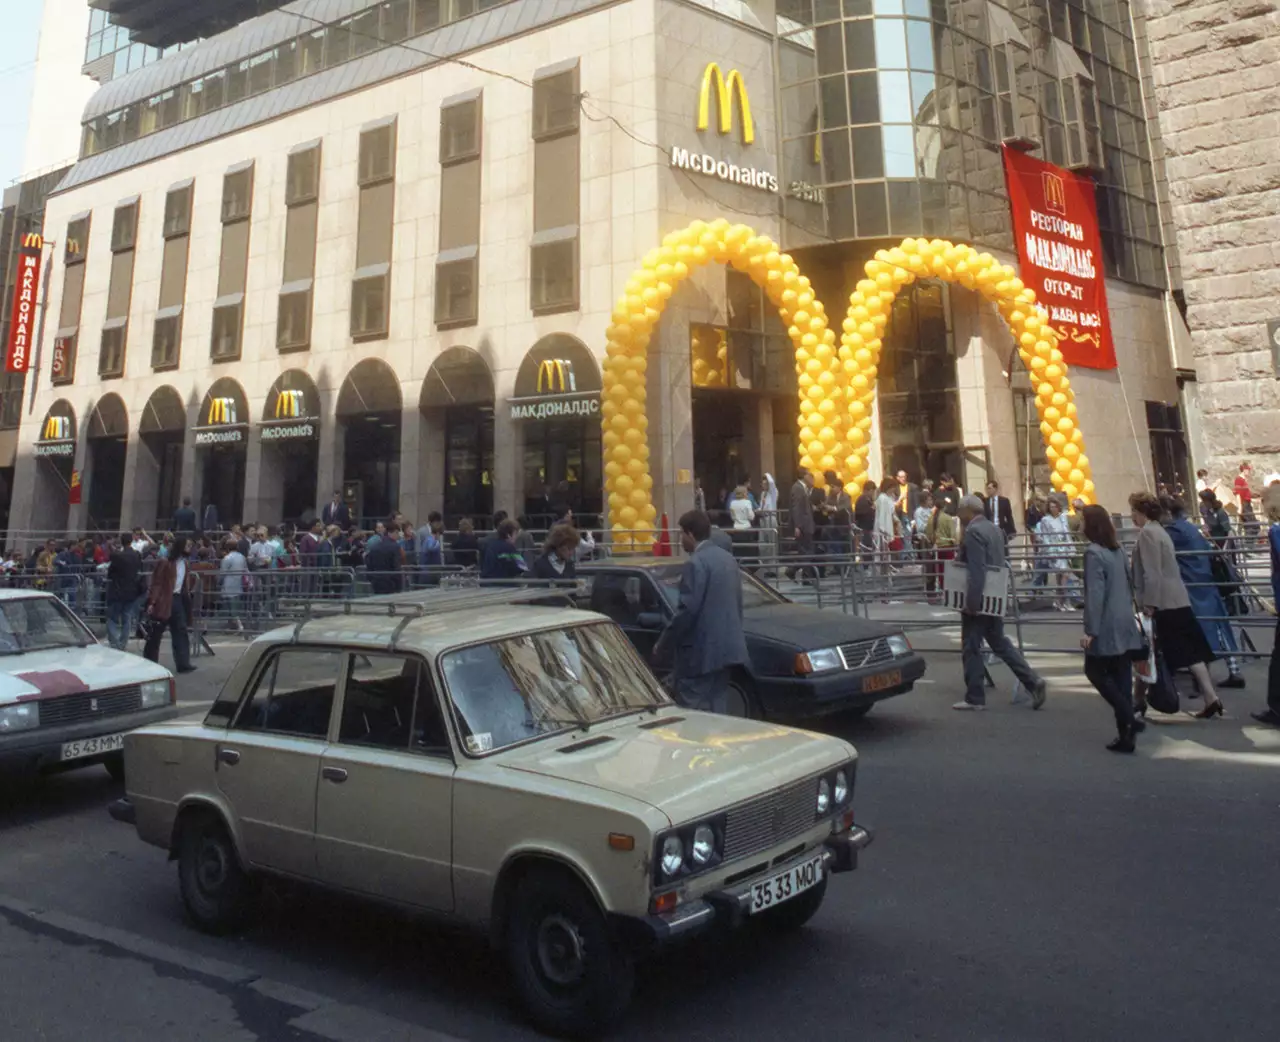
(999, 511)
(802, 526)
(705, 636)
(124, 592)
(981, 548)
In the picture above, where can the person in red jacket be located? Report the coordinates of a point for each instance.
(1245, 494)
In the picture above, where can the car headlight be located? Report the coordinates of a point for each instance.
(155, 693)
(824, 660)
(824, 796)
(703, 848)
(22, 717)
(672, 856)
(899, 645)
(840, 791)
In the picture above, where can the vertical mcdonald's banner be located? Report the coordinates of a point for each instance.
(1055, 226)
(26, 293)
(73, 496)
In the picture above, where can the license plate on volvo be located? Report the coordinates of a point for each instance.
(881, 681)
(106, 743)
(786, 885)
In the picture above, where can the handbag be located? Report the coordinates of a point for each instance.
(149, 626)
(1158, 690)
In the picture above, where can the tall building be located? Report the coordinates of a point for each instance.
(1216, 69)
(59, 89)
(375, 247)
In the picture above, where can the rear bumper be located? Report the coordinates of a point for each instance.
(790, 697)
(728, 907)
(41, 749)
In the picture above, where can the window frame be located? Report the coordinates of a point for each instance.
(425, 673)
(269, 658)
(476, 98)
(164, 315)
(220, 306)
(469, 255)
(117, 326)
(557, 237)
(366, 276)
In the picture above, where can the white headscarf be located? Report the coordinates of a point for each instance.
(769, 500)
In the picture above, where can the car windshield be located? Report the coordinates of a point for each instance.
(37, 624)
(541, 683)
(755, 594)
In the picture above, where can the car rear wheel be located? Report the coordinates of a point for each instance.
(216, 891)
(115, 767)
(793, 914)
(567, 968)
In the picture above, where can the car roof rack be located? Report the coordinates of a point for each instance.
(425, 603)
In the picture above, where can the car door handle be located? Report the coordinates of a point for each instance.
(334, 774)
(230, 757)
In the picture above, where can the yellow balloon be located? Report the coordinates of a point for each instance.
(1063, 466)
(635, 467)
(621, 453)
(616, 502)
(612, 470)
(1065, 424)
(1057, 440)
(628, 516)
(638, 498)
(1052, 415)
(1075, 476)
(1072, 450)
(623, 484)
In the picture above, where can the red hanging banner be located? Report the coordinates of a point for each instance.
(1055, 225)
(25, 294)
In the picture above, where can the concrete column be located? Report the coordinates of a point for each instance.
(431, 435)
(412, 449)
(141, 484)
(264, 483)
(508, 449)
(77, 515)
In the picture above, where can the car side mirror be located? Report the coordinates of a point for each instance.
(650, 620)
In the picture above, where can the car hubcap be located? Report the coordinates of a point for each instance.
(561, 952)
(211, 866)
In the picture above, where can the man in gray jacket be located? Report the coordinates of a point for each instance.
(705, 636)
(802, 524)
(982, 547)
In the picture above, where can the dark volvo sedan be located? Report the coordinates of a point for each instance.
(805, 662)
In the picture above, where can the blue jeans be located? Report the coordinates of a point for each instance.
(122, 623)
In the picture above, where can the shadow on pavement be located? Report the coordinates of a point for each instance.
(29, 798)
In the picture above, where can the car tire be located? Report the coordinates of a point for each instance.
(740, 700)
(857, 712)
(115, 767)
(567, 968)
(793, 914)
(216, 891)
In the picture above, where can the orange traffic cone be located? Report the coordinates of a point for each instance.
(662, 545)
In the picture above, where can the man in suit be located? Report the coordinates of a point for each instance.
(184, 519)
(383, 562)
(802, 525)
(336, 512)
(705, 636)
(999, 511)
(981, 548)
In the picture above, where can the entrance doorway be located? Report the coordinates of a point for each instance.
(108, 447)
(163, 431)
(290, 437)
(370, 409)
(457, 410)
(222, 444)
(55, 451)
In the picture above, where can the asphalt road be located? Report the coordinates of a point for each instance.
(1024, 885)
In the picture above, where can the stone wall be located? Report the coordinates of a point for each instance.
(1217, 81)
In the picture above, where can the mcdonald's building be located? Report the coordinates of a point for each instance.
(394, 269)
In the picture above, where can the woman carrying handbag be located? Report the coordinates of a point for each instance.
(169, 607)
(1111, 638)
(1160, 593)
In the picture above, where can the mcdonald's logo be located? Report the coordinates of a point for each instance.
(33, 241)
(291, 405)
(725, 93)
(222, 412)
(555, 376)
(57, 428)
(1055, 193)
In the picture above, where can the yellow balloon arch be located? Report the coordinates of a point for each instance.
(836, 385)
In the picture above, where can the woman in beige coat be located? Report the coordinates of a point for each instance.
(1160, 593)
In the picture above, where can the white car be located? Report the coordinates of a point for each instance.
(66, 700)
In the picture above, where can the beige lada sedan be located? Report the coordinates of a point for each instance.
(511, 766)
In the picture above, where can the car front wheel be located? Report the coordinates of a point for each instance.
(740, 700)
(793, 914)
(216, 891)
(567, 968)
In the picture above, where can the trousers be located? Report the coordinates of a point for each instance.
(706, 691)
(975, 630)
(176, 624)
(1273, 677)
(1111, 677)
(122, 621)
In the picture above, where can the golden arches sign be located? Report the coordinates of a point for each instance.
(836, 377)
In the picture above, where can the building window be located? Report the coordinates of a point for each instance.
(457, 266)
(457, 294)
(553, 254)
(124, 236)
(228, 308)
(302, 199)
(370, 290)
(554, 275)
(167, 337)
(63, 366)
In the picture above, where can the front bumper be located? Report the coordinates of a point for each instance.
(728, 907)
(826, 693)
(41, 749)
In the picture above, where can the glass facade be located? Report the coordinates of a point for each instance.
(106, 39)
(897, 110)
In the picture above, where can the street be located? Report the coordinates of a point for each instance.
(1024, 885)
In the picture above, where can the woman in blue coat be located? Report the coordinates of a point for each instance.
(1195, 565)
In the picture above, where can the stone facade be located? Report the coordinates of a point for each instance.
(1216, 69)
